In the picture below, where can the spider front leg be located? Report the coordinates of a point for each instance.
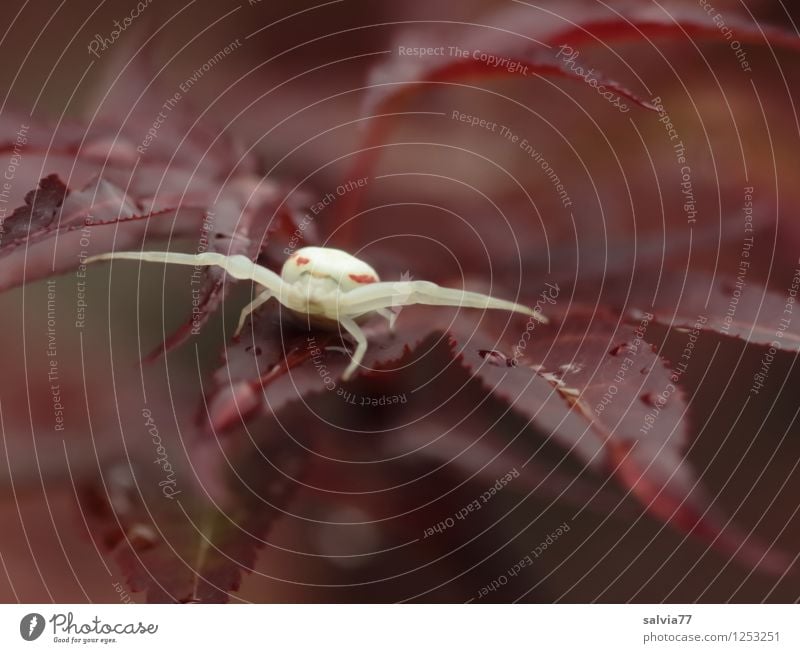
(354, 330)
(262, 298)
(390, 315)
(381, 295)
(237, 266)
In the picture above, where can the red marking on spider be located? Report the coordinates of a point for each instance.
(362, 278)
(302, 260)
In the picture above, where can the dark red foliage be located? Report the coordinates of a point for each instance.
(41, 209)
(187, 548)
(489, 390)
(732, 307)
(396, 80)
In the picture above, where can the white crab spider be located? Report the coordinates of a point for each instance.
(329, 288)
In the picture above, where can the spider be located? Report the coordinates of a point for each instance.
(328, 288)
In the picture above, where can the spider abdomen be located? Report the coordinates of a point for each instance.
(320, 263)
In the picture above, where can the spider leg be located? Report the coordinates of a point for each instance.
(238, 266)
(389, 315)
(375, 296)
(361, 345)
(262, 298)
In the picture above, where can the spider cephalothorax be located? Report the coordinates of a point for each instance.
(330, 289)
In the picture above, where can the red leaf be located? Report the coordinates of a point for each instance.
(53, 208)
(256, 361)
(396, 80)
(538, 30)
(127, 170)
(54, 213)
(597, 23)
(601, 392)
(186, 548)
(41, 210)
(455, 425)
(281, 360)
(405, 79)
(732, 307)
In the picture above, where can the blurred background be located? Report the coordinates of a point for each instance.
(446, 201)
